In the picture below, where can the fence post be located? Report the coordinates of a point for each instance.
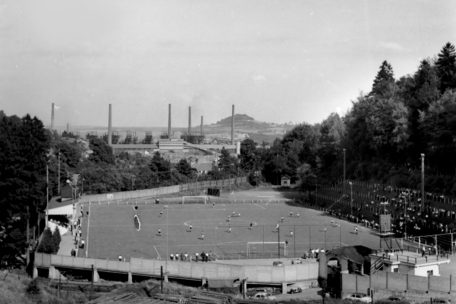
(387, 280)
(370, 281)
(356, 283)
(451, 243)
(451, 277)
(429, 283)
(406, 281)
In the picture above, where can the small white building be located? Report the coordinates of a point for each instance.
(285, 181)
(408, 262)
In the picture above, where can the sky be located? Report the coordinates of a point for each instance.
(275, 60)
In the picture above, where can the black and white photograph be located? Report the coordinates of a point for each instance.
(228, 151)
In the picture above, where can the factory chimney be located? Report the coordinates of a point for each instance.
(169, 121)
(232, 125)
(110, 125)
(201, 127)
(189, 132)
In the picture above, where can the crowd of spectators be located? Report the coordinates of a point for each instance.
(196, 257)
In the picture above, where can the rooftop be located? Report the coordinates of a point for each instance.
(411, 257)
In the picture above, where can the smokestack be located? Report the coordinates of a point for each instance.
(52, 117)
(110, 125)
(201, 127)
(232, 125)
(189, 120)
(169, 121)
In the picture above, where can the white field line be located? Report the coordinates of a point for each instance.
(263, 207)
(87, 236)
(158, 254)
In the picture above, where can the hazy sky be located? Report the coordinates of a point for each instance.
(276, 60)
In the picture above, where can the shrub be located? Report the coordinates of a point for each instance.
(33, 288)
(56, 239)
(47, 244)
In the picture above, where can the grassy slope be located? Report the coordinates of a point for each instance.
(17, 287)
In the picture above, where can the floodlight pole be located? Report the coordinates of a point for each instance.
(422, 181)
(405, 216)
(324, 230)
(294, 240)
(340, 235)
(351, 197)
(47, 195)
(344, 150)
(278, 241)
(58, 175)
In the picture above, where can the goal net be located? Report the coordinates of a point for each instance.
(201, 199)
(266, 249)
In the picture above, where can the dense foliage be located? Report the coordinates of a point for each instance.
(24, 144)
(383, 134)
(50, 241)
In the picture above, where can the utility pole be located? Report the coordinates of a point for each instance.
(422, 182)
(405, 216)
(27, 233)
(278, 241)
(344, 150)
(47, 195)
(58, 175)
(351, 197)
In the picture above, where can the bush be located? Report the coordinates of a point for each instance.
(33, 288)
(47, 244)
(56, 239)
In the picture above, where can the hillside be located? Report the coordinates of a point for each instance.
(247, 127)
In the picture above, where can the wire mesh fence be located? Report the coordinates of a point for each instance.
(252, 241)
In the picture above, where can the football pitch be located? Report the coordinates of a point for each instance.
(224, 229)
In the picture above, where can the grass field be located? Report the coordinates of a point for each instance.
(110, 230)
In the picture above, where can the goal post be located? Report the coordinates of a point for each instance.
(266, 248)
(196, 199)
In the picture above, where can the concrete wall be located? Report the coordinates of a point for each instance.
(190, 270)
(423, 269)
(397, 282)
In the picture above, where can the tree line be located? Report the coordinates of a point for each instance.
(383, 134)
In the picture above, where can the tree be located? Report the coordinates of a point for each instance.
(56, 238)
(425, 92)
(249, 155)
(384, 85)
(160, 167)
(446, 67)
(227, 164)
(102, 152)
(25, 144)
(307, 178)
(184, 168)
(332, 133)
(47, 244)
(439, 126)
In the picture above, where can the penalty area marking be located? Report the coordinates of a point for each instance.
(256, 204)
(158, 253)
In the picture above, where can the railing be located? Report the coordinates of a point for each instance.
(183, 269)
(413, 260)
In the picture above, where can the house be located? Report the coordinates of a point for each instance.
(408, 262)
(285, 181)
